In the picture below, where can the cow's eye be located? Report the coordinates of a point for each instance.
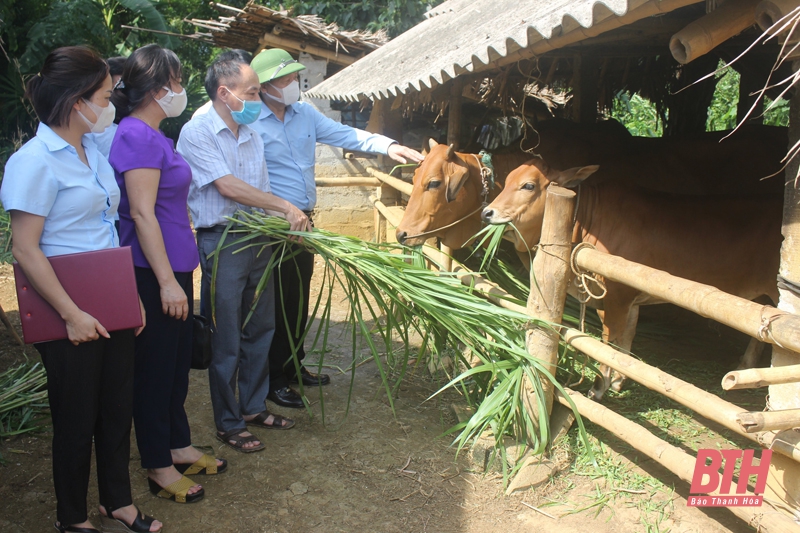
(529, 186)
(434, 184)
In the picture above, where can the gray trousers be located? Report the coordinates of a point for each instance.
(237, 349)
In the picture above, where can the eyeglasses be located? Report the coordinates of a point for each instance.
(284, 63)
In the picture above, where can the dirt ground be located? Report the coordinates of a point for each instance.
(372, 470)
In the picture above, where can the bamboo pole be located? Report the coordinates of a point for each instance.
(268, 39)
(700, 401)
(753, 422)
(393, 219)
(395, 183)
(671, 457)
(549, 277)
(761, 377)
(764, 322)
(705, 33)
(769, 12)
(348, 181)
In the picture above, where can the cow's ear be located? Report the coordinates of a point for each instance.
(572, 177)
(456, 175)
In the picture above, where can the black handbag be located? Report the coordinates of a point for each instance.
(201, 342)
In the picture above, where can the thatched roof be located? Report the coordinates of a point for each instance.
(256, 27)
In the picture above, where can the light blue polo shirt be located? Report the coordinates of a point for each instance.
(47, 178)
(290, 148)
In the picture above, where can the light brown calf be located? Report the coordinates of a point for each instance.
(732, 243)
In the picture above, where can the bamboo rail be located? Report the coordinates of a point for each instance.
(348, 181)
(753, 422)
(761, 377)
(704, 403)
(763, 322)
(396, 183)
(671, 457)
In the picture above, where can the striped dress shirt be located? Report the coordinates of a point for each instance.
(213, 151)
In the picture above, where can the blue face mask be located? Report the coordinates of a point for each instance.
(251, 109)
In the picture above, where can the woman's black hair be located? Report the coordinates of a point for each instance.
(68, 74)
(146, 71)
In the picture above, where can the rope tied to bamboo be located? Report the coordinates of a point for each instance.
(583, 279)
(768, 315)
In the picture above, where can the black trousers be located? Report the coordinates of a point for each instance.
(161, 374)
(292, 291)
(90, 388)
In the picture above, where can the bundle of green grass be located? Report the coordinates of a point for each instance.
(393, 294)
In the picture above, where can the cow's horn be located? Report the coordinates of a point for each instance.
(450, 151)
(432, 142)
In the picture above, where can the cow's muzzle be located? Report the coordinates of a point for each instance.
(491, 216)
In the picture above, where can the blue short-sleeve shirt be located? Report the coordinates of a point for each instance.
(78, 202)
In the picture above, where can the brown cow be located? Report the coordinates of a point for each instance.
(447, 197)
(732, 243)
(698, 164)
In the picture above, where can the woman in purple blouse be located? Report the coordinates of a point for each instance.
(154, 183)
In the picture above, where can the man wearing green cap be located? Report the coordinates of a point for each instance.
(290, 131)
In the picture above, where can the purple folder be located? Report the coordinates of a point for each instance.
(101, 283)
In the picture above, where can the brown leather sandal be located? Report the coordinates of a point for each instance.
(235, 440)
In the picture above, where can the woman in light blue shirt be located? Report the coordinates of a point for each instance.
(62, 197)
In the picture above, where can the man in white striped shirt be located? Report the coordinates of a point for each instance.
(229, 173)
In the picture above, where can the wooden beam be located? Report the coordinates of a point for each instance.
(275, 41)
(454, 112)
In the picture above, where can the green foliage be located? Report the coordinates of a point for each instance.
(776, 113)
(637, 114)
(722, 111)
(395, 16)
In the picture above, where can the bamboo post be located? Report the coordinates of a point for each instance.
(761, 377)
(671, 457)
(754, 422)
(454, 113)
(10, 328)
(548, 280)
(787, 396)
(705, 33)
(779, 327)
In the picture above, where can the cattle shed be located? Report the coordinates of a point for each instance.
(568, 58)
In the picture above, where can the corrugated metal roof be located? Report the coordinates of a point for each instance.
(461, 36)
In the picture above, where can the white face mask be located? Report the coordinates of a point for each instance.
(289, 94)
(173, 103)
(105, 116)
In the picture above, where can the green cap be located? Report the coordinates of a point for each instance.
(274, 63)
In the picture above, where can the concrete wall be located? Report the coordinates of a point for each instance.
(344, 210)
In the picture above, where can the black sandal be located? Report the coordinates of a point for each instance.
(260, 421)
(117, 525)
(73, 529)
(236, 440)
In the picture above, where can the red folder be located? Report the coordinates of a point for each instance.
(101, 283)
